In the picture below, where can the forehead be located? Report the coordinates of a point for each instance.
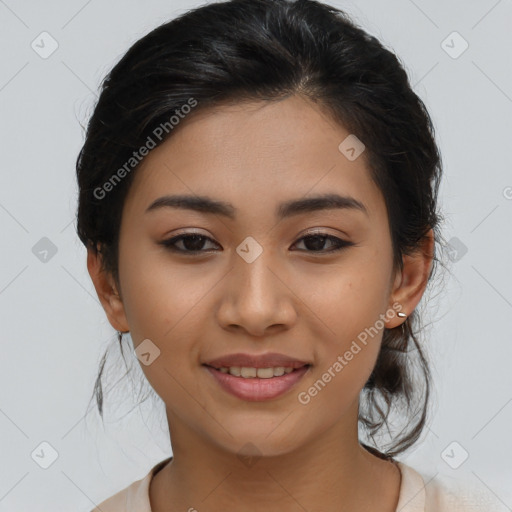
(251, 151)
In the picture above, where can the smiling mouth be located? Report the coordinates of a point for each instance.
(258, 384)
(247, 372)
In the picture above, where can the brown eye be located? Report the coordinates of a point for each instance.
(194, 243)
(316, 243)
(191, 243)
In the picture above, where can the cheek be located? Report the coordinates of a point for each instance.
(335, 387)
(164, 302)
(347, 299)
(345, 359)
(349, 304)
(159, 296)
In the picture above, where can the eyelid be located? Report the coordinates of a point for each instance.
(339, 243)
(169, 243)
(322, 231)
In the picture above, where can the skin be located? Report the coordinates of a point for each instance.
(292, 299)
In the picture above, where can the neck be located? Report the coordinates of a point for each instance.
(333, 472)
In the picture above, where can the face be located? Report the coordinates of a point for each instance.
(254, 281)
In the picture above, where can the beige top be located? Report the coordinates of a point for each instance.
(417, 494)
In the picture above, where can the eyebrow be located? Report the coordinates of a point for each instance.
(205, 204)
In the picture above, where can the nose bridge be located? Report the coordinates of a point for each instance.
(256, 297)
(255, 284)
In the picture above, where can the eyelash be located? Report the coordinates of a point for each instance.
(170, 243)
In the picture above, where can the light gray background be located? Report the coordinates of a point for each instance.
(53, 329)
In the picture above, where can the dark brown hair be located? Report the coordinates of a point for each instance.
(268, 50)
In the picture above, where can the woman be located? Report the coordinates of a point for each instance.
(258, 198)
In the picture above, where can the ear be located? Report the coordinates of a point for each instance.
(410, 283)
(107, 292)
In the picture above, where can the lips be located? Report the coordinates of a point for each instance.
(268, 360)
(258, 389)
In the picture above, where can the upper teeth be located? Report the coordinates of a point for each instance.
(262, 373)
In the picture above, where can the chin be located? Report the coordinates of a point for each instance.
(269, 440)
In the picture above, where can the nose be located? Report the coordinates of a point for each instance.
(256, 298)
